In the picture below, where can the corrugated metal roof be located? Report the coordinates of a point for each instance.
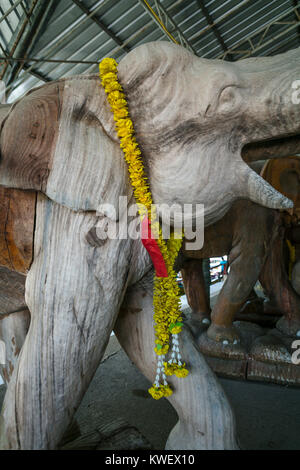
(230, 29)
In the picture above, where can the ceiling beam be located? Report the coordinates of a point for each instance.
(47, 61)
(10, 10)
(101, 25)
(35, 73)
(220, 19)
(163, 19)
(297, 14)
(257, 41)
(38, 21)
(62, 40)
(214, 28)
(17, 37)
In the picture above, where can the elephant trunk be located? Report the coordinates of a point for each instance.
(254, 187)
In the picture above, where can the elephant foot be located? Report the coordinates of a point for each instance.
(222, 350)
(201, 317)
(223, 334)
(289, 327)
(197, 325)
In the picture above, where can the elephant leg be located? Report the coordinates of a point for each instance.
(275, 281)
(74, 291)
(251, 242)
(195, 290)
(231, 298)
(205, 418)
(14, 318)
(13, 331)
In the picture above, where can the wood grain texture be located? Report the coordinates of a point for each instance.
(74, 291)
(28, 138)
(66, 145)
(4, 111)
(88, 165)
(17, 218)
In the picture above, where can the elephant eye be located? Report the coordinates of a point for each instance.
(227, 94)
(229, 98)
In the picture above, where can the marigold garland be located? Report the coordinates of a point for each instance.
(166, 298)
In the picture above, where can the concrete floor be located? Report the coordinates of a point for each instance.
(268, 416)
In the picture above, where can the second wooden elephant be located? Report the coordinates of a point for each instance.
(254, 238)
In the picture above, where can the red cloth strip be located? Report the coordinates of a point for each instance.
(153, 249)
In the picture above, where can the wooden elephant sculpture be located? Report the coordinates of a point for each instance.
(192, 119)
(60, 359)
(254, 238)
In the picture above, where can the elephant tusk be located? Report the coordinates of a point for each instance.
(255, 188)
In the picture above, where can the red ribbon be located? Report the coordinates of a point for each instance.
(153, 249)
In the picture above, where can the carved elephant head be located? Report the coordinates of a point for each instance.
(193, 120)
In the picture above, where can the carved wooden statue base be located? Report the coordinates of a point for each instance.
(261, 355)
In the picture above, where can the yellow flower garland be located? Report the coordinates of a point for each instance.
(166, 298)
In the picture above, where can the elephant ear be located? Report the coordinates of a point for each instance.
(60, 139)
